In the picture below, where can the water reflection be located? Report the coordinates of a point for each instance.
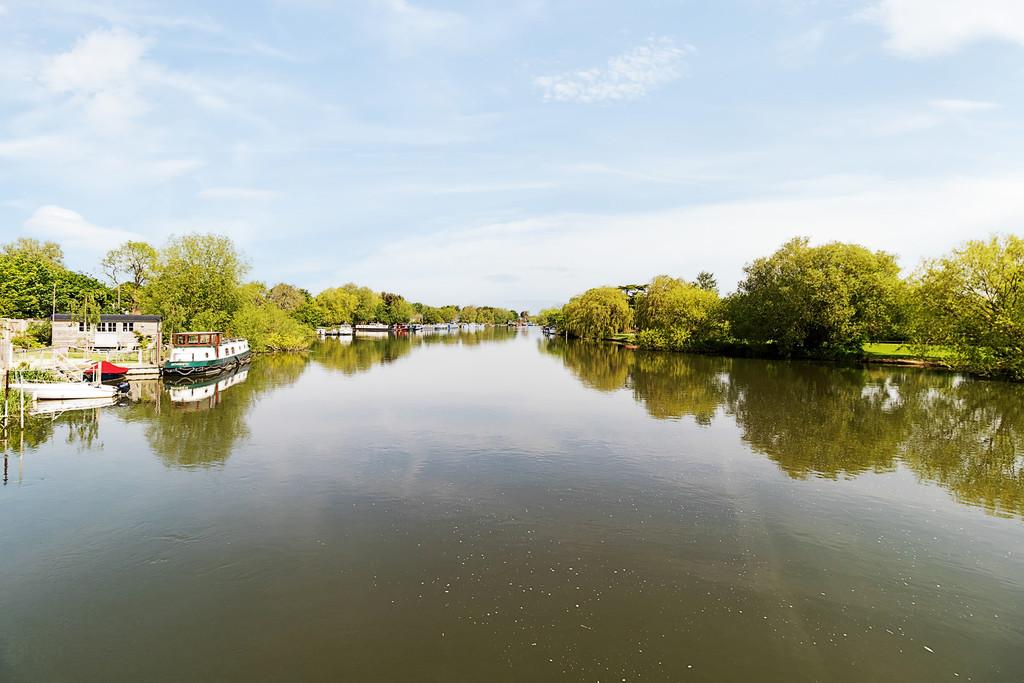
(199, 424)
(828, 421)
(352, 356)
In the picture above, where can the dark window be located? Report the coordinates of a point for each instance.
(127, 327)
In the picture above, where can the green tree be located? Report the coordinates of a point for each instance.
(550, 317)
(706, 281)
(469, 314)
(132, 263)
(598, 313)
(269, 328)
(338, 305)
(673, 314)
(394, 309)
(32, 284)
(431, 315)
(196, 283)
(286, 297)
(820, 301)
(972, 302)
(45, 252)
(367, 304)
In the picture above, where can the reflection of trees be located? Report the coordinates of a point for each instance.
(969, 437)
(205, 433)
(674, 385)
(669, 385)
(604, 367)
(362, 353)
(823, 420)
(815, 419)
(81, 429)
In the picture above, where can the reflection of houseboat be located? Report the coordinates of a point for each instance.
(372, 328)
(201, 354)
(339, 331)
(206, 394)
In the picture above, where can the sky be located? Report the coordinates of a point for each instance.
(510, 152)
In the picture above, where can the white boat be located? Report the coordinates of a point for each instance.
(64, 391)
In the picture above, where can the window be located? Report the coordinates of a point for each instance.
(204, 339)
(193, 339)
(106, 327)
(81, 326)
(127, 327)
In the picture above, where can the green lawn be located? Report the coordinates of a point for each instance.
(897, 350)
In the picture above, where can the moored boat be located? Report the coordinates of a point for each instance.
(202, 354)
(107, 371)
(64, 391)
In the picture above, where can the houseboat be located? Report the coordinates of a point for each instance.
(202, 354)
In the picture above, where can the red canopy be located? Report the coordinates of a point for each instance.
(106, 369)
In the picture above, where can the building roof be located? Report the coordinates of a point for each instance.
(113, 318)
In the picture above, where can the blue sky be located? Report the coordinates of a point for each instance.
(511, 152)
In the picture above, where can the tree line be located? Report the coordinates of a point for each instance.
(198, 281)
(827, 301)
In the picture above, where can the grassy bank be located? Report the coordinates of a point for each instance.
(904, 351)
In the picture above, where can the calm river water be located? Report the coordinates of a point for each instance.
(501, 507)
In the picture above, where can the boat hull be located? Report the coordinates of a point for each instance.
(205, 368)
(65, 391)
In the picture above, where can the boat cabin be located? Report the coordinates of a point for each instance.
(205, 346)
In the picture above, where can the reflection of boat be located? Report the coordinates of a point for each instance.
(54, 407)
(196, 393)
(339, 331)
(64, 391)
(202, 354)
(107, 371)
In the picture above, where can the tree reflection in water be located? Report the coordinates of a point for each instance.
(205, 432)
(830, 421)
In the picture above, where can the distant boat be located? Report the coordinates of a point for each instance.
(372, 327)
(203, 354)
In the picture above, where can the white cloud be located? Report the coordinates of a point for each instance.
(956, 106)
(75, 234)
(101, 72)
(562, 254)
(926, 28)
(628, 76)
(243, 194)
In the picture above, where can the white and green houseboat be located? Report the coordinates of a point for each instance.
(201, 354)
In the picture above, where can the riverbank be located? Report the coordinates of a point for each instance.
(878, 353)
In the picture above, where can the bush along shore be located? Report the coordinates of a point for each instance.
(964, 311)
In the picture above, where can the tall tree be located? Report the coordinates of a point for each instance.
(45, 252)
(132, 262)
(286, 297)
(817, 300)
(197, 282)
(32, 285)
(677, 315)
(972, 302)
(598, 313)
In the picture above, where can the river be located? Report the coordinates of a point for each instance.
(495, 506)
